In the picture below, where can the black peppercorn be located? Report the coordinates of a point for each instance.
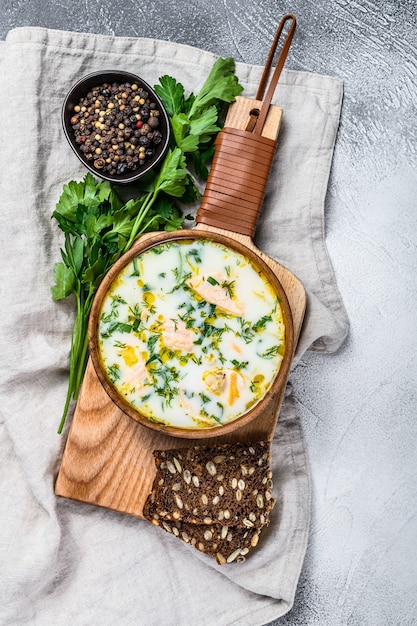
(144, 141)
(153, 122)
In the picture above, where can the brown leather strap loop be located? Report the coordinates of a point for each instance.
(242, 205)
(233, 134)
(228, 179)
(226, 222)
(227, 187)
(234, 148)
(246, 218)
(238, 167)
(236, 184)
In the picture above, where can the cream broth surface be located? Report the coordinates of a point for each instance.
(191, 334)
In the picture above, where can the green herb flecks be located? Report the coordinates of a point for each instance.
(134, 317)
(208, 411)
(151, 343)
(261, 323)
(246, 330)
(135, 268)
(239, 365)
(114, 372)
(195, 254)
(228, 285)
(165, 380)
(180, 273)
(122, 327)
(270, 352)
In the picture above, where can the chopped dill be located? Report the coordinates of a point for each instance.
(113, 372)
(270, 353)
(135, 268)
(261, 323)
(239, 364)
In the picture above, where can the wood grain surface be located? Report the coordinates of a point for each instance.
(108, 458)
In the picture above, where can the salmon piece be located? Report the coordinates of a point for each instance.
(214, 293)
(177, 337)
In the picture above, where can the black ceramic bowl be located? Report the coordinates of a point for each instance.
(81, 89)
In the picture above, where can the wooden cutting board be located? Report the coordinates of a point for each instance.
(108, 458)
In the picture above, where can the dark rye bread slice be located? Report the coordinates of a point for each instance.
(225, 543)
(229, 483)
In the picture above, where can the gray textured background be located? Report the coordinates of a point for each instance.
(357, 406)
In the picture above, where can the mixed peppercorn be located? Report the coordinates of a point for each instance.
(117, 127)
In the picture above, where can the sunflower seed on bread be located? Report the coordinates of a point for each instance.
(218, 498)
(225, 543)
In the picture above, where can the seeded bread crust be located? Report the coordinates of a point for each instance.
(216, 498)
(225, 543)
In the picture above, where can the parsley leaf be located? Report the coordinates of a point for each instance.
(220, 85)
(171, 93)
(173, 177)
(64, 282)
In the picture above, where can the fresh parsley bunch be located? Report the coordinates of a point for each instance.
(99, 227)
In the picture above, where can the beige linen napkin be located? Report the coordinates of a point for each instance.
(69, 563)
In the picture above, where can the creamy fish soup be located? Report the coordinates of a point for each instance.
(191, 334)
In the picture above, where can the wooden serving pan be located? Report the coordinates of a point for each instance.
(194, 234)
(108, 458)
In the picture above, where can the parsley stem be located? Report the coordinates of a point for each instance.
(148, 201)
(147, 225)
(79, 347)
(73, 359)
(82, 362)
